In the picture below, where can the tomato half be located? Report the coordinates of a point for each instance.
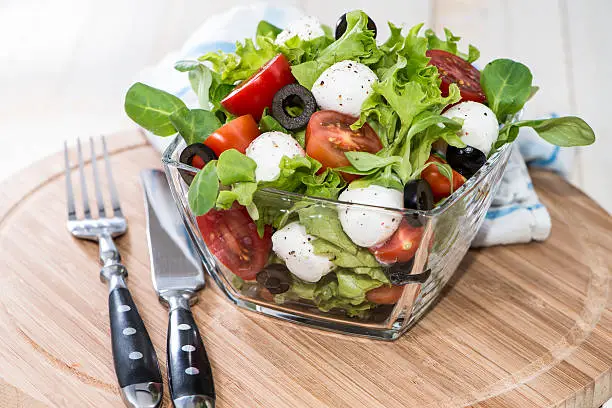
(455, 70)
(329, 136)
(385, 295)
(255, 94)
(440, 185)
(237, 134)
(231, 236)
(402, 245)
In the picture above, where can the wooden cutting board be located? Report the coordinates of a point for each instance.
(518, 326)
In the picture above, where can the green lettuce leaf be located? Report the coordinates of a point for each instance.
(151, 108)
(357, 44)
(450, 45)
(241, 192)
(245, 61)
(234, 167)
(194, 125)
(203, 190)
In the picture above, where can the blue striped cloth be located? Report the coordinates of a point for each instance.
(516, 215)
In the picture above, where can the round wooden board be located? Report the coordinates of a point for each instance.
(518, 326)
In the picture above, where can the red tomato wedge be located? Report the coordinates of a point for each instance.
(231, 236)
(237, 134)
(440, 185)
(255, 94)
(455, 70)
(329, 136)
(385, 295)
(402, 245)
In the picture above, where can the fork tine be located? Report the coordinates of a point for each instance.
(69, 193)
(111, 182)
(86, 210)
(94, 165)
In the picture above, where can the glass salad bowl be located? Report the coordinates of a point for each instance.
(336, 302)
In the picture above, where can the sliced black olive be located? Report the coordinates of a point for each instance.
(292, 106)
(197, 149)
(466, 161)
(341, 26)
(418, 195)
(399, 273)
(275, 278)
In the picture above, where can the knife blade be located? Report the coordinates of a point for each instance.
(177, 277)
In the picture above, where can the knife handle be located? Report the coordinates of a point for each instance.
(189, 372)
(133, 353)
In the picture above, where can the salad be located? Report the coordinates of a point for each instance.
(399, 124)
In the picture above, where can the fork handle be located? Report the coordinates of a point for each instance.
(133, 353)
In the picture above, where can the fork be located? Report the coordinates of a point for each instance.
(134, 357)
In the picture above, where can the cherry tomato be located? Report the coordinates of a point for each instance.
(198, 162)
(231, 236)
(329, 136)
(402, 245)
(385, 295)
(237, 134)
(255, 94)
(440, 185)
(455, 70)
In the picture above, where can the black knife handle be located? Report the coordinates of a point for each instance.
(133, 353)
(189, 372)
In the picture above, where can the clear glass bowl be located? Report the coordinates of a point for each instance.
(448, 231)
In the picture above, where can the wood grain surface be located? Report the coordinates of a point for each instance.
(518, 326)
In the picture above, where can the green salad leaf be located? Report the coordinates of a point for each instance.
(450, 45)
(194, 125)
(245, 61)
(357, 44)
(151, 108)
(235, 167)
(204, 189)
(566, 131)
(267, 29)
(342, 290)
(268, 123)
(507, 86)
(242, 192)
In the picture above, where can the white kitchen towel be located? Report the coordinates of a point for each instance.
(516, 216)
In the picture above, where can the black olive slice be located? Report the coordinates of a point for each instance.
(418, 195)
(292, 106)
(399, 273)
(197, 149)
(466, 161)
(341, 26)
(276, 278)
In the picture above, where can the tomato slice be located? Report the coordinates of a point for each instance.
(237, 134)
(402, 245)
(329, 136)
(385, 295)
(440, 185)
(231, 236)
(455, 70)
(255, 94)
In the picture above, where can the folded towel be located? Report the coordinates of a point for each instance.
(516, 215)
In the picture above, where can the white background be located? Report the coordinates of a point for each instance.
(65, 64)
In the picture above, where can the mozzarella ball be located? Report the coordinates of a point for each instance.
(306, 28)
(344, 87)
(293, 245)
(480, 128)
(367, 227)
(268, 149)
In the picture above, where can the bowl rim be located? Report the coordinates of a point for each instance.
(473, 182)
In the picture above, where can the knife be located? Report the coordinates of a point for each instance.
(177, 277)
